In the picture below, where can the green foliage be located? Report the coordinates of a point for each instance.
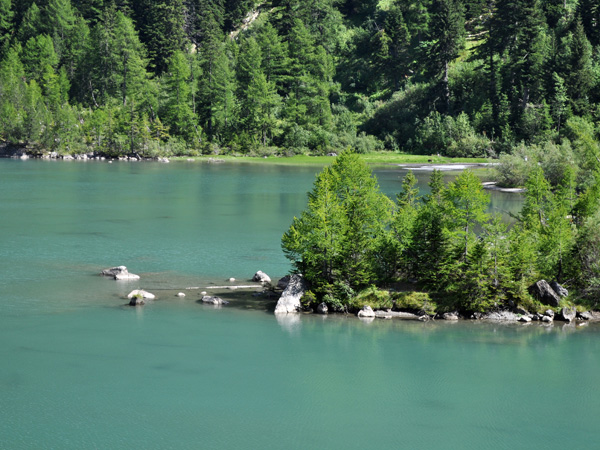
(414, 301)
(373, 297)
(334, 242)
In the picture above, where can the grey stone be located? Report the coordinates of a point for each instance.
(544, 293)
(114, 271)
(180, 294)
(525, 319)
(549, 313)
(119, 273)
(289, 302)
(366, 311)
(283, 282)
(585, 315)
(547, 319)
(450, 315)
(560, 290)
(217, 301)
(261, 277)
(568, 314)
(501, 316)
(322, 308)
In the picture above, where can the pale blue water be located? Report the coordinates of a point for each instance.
(80, 370)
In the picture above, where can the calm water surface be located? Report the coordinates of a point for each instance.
(80, 370)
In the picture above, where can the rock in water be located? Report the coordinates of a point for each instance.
(561, 291)
(141, 293)
(137, 301)
(289, 302)
(261, 277)
(544, 293)
(114, 271)
(119, 273)
(127, 276)
(322, 308)
(217, 301)
(366, 311)
(568, 314)
(180, 294)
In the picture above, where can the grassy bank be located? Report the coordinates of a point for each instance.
(370, 158)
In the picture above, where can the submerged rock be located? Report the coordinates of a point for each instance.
(366, 311)
(180, 294)
(544, 293)
(261, 277)
(289, 302)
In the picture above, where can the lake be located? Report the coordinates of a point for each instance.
(81, 370)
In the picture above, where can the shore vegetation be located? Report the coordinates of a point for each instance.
(455, 78)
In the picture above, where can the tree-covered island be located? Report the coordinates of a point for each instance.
(442, 252)
(187, 77)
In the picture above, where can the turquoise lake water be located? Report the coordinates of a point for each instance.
(81, 370)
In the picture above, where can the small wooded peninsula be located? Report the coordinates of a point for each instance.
(442, 254)
(152, 78)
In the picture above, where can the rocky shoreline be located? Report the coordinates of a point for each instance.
(289, 291)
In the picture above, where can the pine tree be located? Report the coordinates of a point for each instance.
(6, 26)
(447, 38)
(161, 25)
(178, 111)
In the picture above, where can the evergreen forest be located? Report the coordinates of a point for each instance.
(191, 77)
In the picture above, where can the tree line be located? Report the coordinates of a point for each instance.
(458, 77)
(352, 239)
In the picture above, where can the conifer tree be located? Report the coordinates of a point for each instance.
(447, 38)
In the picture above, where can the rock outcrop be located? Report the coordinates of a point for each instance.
(544, 293)
(289, 302)
(261, 277)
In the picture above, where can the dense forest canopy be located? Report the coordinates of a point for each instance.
(458, 77)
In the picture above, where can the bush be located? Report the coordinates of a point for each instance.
(373, 297)
(415, 301)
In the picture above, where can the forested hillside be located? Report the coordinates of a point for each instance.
(149, 77)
